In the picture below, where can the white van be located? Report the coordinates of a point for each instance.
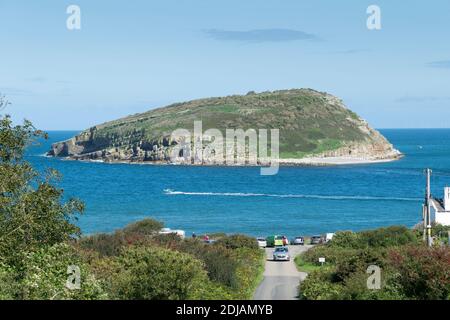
(328, 237)
(180, 233)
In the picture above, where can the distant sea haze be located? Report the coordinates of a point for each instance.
(296, 201)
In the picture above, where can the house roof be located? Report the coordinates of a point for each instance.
(438, 205)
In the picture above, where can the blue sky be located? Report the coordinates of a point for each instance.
(131, 56)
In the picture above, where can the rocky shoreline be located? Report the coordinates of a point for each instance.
(315, 128)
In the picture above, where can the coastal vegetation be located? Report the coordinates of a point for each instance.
(409, 269)
(40, 244)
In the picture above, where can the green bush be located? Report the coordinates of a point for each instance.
(331, 254)
(146, 227)
(107, 244)
(357, 262)
(318, 286)
(45, 276)
(378, 238)
(103, 243)
(238, 241)
(9, 285)
(388, 237)
(250, 267)
(346, 239)
(218, 260)
(158, 274)
(422, 272)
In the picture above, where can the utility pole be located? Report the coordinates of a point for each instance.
(428, 208)
(424, 221)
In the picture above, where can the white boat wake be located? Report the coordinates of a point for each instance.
(304, 196)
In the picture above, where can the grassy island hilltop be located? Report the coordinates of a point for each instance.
(312, 124)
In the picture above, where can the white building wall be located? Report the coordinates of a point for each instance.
(447, 198)
(443, 218)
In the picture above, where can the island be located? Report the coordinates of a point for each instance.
(315, 128)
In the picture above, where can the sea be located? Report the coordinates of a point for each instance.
(297, 201)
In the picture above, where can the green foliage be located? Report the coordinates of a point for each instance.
(218, 260)
(330, 253)
(9, 285)
(306, 266)
(318, 286)
(32, 213)
(357, 262)
(250, 267)
(346, 239)
(106, 244)
(238, 241)
(423, 273)
(158, 274)
(409, 269)
(46, 275)
(388, 237)
(382, 237)
(310, 122)
(146, 227)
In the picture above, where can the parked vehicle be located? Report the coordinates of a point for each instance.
(328, 237)
(281, 254)
(180, 233)
(274, 241)
(316, 239)
(262, 243)
(298, 241)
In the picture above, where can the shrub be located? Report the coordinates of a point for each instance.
(238, 241)
(382, 237)
(346, 239)
(45, 275)
(146, 227)
(9, 286)
(250, 267)
(107, 244)
(423, 273)
(218, 260)
(103, 243)
(388, 237)
(158, 274)
(331, 254)
(357, 262)
(318, 286)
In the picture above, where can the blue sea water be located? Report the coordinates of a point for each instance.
(296, 201)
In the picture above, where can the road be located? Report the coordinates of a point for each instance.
(281, 279)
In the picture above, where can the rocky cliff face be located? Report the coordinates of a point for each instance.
(311, 123)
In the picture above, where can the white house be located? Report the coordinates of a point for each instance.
(440, 209)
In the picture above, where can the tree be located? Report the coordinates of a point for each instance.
(45, 276)
(150, 273)
(32, 213)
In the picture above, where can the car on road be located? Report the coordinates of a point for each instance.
(298, 241)
(281, 254)
(274, 241)
(316, 239)
(262, 243)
